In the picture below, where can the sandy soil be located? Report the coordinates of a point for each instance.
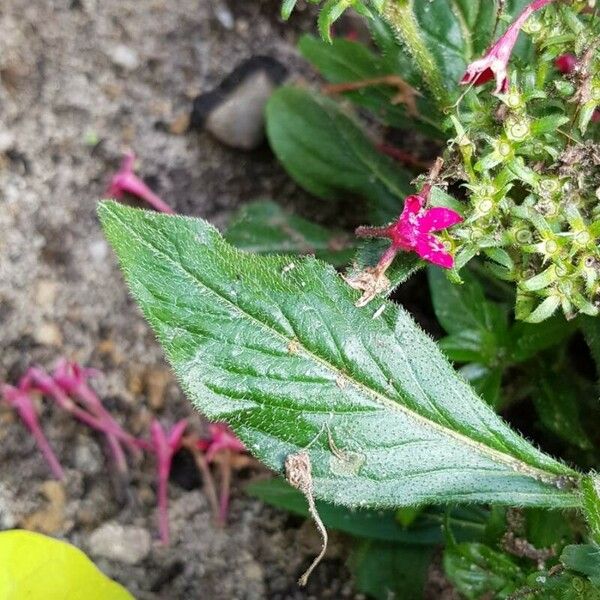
(80, 81)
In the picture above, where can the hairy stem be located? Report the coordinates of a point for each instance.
(400, 16)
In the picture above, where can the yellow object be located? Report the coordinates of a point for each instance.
(36, 567)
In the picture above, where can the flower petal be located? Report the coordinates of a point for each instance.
(438, 218)
(432, 250)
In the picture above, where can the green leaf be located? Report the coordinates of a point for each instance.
(527, 340)
(344, 61)
(583, 558)
(590, 327)
(486, 381)
(557, 401)
(404, 266)
(33, 566)
(328, 154)
(477, 571)
(287, 7)
(590, 495)
(458, 31)
(386, 571)
(477, 326)
(263, 227)
(467, 523)
(285, 357)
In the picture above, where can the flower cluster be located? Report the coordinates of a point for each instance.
(528, 158)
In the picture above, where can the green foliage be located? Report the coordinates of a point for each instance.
(329, 155)
(386, 571)
(425, 529)
(477, 570)
(281, 353)
(481, 335)
(262, 227)
(344, 61)
(36, 567)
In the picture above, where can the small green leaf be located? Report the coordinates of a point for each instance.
(590, 495)
(386, 571)
(36, 567)
(527, 340)
(486, 381)
(557, 401)
(263, 227)
(287, 359)
(328, 154)
(477, 571)
(467, 523)
(344, 61)
(287, 7)
(584, 558)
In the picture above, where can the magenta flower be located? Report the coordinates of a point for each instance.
(565, 63)
(495, 62)
(164, 446)
(20, 400)
(125, 181)
(413, 232)
(220, 446)
(220, 438)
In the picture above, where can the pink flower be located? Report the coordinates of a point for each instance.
(220, 447)
(495, 62)
(220, 438)
(125, 181)
(164, 446)
(20, 400)
(412, 232)
(565, 63)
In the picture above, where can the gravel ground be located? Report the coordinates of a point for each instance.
(80, 81)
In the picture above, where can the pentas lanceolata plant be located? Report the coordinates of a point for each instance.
(336, 387)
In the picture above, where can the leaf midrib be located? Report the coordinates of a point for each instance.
(482, 448)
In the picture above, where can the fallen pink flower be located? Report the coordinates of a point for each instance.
(164, 446)
(20, 400)
(220, 438)
(565, 63)
(125, 181)
(95, 416)
(218, 447)
(494, 64)
(412, 232)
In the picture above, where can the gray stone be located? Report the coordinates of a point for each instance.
(124, 57)
(130, 545)
(234, 112)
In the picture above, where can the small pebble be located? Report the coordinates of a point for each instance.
(130, 545)
(48, 334)
(234, 111)
(224, 16)
(124, 57)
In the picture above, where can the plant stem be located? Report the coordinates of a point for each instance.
(225, 487)
(400, 16)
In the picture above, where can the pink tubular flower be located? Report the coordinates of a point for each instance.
(220, 438)
(19, 399)
(125, 181)
(495, 62)
(164, 446)
(565, 63)
(221, 445)
(412, 232)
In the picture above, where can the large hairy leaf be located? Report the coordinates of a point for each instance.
(276, 347)
(329, 155)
